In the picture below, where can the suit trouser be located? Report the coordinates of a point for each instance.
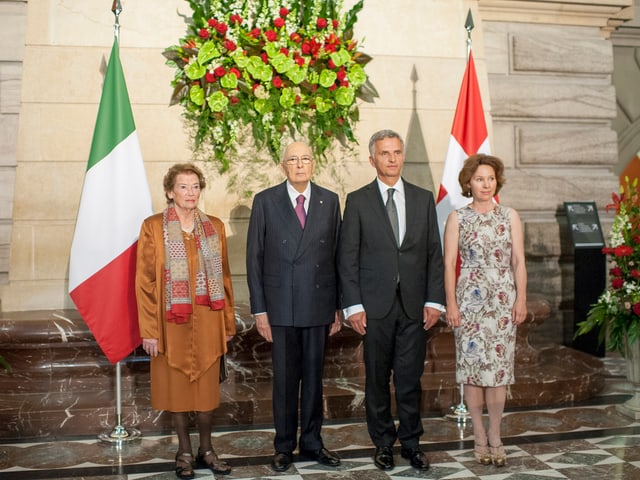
(394, 343)
(298, 364)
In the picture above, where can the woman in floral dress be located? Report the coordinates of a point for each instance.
(487, 299)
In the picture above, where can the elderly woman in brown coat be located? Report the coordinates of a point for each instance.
(185, 309)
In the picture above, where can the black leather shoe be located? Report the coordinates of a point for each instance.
(418, 459)
(322, 456)
(383, 459)
(281, 461)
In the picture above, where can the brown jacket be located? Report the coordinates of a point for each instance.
(194, 346)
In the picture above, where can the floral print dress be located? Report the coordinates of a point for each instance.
(485, 292)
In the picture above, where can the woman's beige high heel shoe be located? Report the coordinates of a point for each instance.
(481, 452)
(498, 456)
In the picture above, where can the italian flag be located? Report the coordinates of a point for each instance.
(468, 136)
(115, 200)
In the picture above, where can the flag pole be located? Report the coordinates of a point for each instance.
(459, 412)
(119, 434)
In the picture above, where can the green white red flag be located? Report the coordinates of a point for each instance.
(115, 200)
(468, 136)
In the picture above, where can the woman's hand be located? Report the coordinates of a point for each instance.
(519, 311)
(150, 346)
(453, 316)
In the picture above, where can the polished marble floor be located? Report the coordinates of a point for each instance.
(591, 440)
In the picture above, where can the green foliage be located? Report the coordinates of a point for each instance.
(267, 70)
(617, 311)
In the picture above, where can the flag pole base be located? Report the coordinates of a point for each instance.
(459, 413)
(120, 435)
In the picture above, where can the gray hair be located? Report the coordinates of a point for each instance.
(379, 135)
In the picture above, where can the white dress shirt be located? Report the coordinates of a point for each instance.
(294, 194)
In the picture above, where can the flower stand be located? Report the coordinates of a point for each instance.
(631, 408)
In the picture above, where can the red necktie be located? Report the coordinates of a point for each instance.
(302, 215)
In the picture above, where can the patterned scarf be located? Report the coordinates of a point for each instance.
(209, 282)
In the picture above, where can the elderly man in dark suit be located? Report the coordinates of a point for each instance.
(392, 279)
(293, 285)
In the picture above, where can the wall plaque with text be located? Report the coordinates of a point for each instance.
(584, 224)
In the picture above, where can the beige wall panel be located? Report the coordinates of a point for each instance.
(56, 132)
(546, 191)
(7, 176)
(73, 75)
(504, 138)
(8, 140)
(420, 28)
(21, 258)
(90, 23)
(551, 97)
(63, 74)
(48, 191)
(552, 50)
(496, 37)
(148, 78)
(439, 82)
(162, 134)
(10, 84)
(566, 144)
(22, 295)
(240, 288)
(51, 249)
(70, 140)
(12, 28)
(4, 258)
(5, 233)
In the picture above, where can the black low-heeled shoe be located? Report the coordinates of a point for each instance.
(184, 466)
(210, 460)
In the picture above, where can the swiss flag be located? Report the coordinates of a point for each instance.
(468, 136)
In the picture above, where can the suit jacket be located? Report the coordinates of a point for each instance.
(291, 272)
(369, 259)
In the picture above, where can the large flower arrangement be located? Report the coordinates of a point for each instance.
(617, 310)
(266, 69)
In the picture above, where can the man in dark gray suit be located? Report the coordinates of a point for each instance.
(392, 280)
(293, 285)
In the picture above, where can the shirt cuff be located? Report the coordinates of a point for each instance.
(353, 309)
(437, 306)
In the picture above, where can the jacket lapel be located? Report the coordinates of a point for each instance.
(288, 217)
(410, 211)
(379, 210)
(315, 215)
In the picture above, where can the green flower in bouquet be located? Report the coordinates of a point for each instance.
(617, 311)
(266, 69)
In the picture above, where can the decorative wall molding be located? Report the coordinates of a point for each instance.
(604, 14)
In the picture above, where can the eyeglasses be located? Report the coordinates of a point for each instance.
(306, 160)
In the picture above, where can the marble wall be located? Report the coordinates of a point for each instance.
(545, 72)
